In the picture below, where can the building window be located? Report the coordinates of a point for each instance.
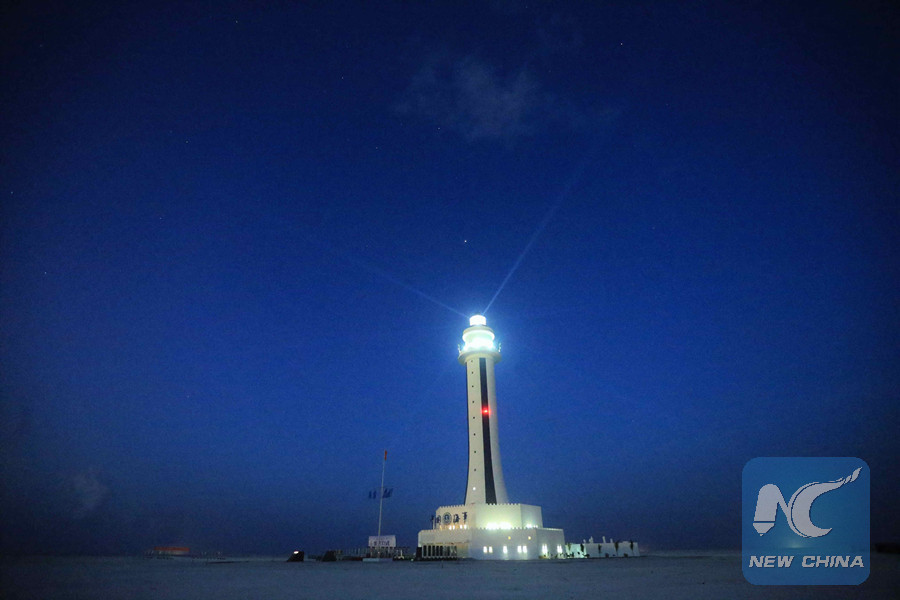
(504, 549)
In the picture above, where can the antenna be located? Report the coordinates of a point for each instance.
(381, 500)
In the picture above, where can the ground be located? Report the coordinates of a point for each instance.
(673, 576)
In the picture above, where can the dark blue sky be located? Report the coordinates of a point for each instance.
(230, 235)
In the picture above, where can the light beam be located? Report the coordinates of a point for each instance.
(381, 272)
(540, 228)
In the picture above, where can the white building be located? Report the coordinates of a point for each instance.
(487, 526)
(604, 549)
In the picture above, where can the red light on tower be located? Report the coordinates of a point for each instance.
(485, 411)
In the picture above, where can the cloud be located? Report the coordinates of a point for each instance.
(474, 99)
(90, 493)
(481, 102)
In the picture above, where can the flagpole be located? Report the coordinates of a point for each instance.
(381, 501)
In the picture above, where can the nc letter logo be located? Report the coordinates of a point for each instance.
(819, 535)
(797, 508)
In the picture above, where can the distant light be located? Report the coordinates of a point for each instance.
(477, 320)
(296, 552)
(485, 411)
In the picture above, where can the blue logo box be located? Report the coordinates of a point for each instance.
(805, 521)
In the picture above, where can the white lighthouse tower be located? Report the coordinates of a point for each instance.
(485, 483)
(487, 526)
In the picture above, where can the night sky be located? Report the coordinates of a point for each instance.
(240, 242)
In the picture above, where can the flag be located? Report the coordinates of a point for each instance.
(386, 493)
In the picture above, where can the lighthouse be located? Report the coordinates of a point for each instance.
(479, 355)
(486, 526)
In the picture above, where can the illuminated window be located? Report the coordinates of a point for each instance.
(485, 550)
(504, 549)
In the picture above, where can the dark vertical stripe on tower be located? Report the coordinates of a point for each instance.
(490, 494)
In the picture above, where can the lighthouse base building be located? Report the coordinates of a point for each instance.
(490, 532)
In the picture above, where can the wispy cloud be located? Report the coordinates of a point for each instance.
(474, 99)
(482, 102)
(90, 493)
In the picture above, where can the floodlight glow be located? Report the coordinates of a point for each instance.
(477, 320)
(478, 337)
